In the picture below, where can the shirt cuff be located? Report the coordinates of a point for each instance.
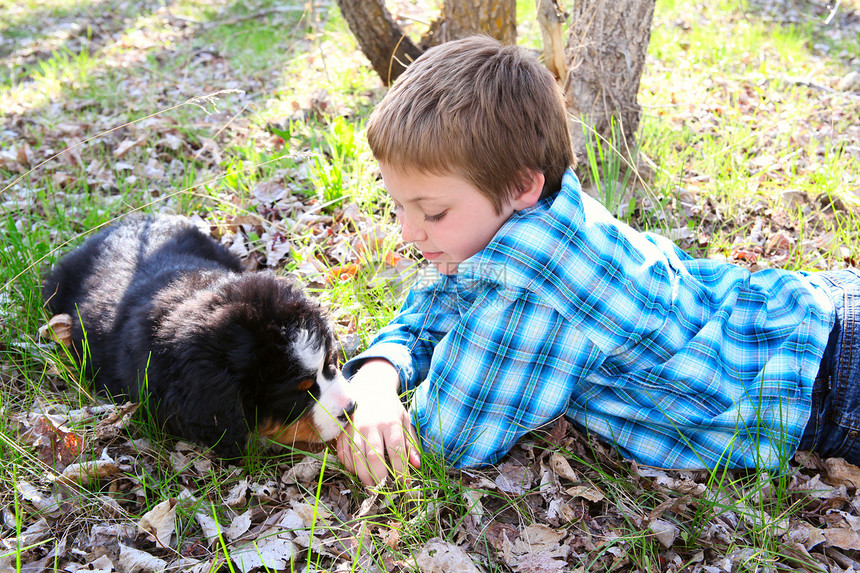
(396, 354)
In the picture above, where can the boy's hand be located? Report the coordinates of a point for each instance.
(380, 426)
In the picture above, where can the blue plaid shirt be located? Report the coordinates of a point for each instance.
(678, 362)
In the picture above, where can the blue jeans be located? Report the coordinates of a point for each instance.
(833, 429)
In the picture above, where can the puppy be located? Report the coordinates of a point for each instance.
(163, 313)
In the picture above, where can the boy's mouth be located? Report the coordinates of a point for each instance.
(430, 256)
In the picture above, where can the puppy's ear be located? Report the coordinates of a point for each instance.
(207, 399)
(240, 349)
(213, 416)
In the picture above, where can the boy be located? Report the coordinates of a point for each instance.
(547, 305)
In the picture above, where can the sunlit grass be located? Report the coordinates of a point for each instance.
(736, 110)
(20, 13)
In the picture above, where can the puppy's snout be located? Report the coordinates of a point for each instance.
(347, 412)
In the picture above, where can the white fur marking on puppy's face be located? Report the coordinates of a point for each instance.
(309, 351)
(336, 397)
(335, 392)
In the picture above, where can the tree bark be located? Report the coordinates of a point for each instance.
(552, 22)
(462, 18)
(390, 51)
(605, 51)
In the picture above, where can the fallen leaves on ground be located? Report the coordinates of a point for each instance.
(550, 506)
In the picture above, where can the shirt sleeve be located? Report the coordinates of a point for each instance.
(509, 366)
(426, 316)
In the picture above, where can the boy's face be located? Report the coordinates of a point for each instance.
(447, 218)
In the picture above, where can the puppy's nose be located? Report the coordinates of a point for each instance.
(347, 412)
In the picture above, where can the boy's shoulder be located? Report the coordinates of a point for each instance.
(544, 224)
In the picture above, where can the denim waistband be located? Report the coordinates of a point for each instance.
(834, 422)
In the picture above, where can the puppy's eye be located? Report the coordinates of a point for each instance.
(305, 384)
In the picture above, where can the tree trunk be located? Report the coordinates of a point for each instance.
(605, 52)
(390, 50)
(552, 20)
(462, 18)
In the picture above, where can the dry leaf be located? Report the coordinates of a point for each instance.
(236, 243)
(85, 472)
(25, 155)
(264, 491)
(160, 522)
(390, 537)
(126, 144)
(814, 537)
(438, 556)
(212, 147)
(306, 471)
(9, 160)
(117, 419)
(309, 514)
(514, 478)
(101, 565)
(277, 247)
(171, 141)
(240, 524)
(268, 192)
(72, 154)
(66, 129)
(840, 472)
(393, 259)
(153, 169)
(541, 539)
(58, 329)
(539, 563)
(109, 534)
(841, 537)
(55, 445)
(816, 489)
(474, 507)
(61, 179)
(135, 561)
(561, 467)
(368, 242)
(665, 532)
(238, 495)
(558, 509)
(272, 551)
(208, 525)
(589, 492)
(342, 273)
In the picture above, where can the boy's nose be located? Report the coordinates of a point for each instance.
(411, 232)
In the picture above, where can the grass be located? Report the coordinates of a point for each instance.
(719, 125)
(742, 126)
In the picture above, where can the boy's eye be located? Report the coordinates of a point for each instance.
(434, 218)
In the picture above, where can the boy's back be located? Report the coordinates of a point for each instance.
(679, 362)
(548, 305)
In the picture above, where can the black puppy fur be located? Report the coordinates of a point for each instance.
(167, 314)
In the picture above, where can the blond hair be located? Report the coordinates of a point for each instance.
(476, 109)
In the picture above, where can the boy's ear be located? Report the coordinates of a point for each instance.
(531, 190)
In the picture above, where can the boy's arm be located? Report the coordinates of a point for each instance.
(379, 427)
(397, 360)
(508, 368)
(408, 341)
